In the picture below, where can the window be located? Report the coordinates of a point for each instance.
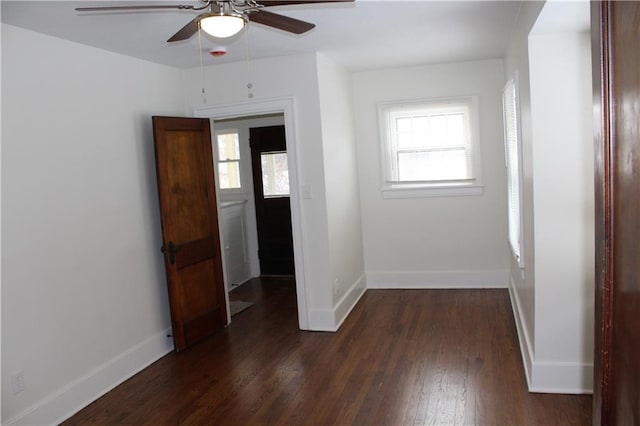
(228, 145)
(510, 106)
(275, 174)
(430, 147)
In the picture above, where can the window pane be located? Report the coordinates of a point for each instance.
(455, 129)
(405, 140)
(404, 133)
(275, 174)
(411, 132)
(432, 165)
(228, 147)
(421, 124)
(431, 131)
(403, 124)
(229, 175)
(437, 130)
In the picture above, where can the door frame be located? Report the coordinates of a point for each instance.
(285, 106)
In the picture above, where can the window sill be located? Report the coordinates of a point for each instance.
(423, 191)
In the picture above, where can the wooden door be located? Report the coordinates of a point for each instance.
(273, 208)
(616, 59)
(190, 234)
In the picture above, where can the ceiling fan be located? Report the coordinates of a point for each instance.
(225, 18)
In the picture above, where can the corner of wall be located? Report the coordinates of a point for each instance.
(332, 319)
(561, 377)
(548, 376)
(349, 300)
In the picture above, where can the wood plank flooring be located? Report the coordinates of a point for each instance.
(403, 357)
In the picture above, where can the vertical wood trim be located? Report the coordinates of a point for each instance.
(604, 139)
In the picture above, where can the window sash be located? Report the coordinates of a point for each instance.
(229, 154)
(228, 185)
(225, 151)
(391, 113)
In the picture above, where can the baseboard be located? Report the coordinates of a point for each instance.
(350, 300)
(71, 398)
(548, 377)
(526, 349)
(331, 319)
(437, 279)
(322, 320)
(561, 377)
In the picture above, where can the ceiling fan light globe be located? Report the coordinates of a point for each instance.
(222, 26)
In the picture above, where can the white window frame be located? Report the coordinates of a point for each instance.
(241, 189)
(393, 188)
(513, 164)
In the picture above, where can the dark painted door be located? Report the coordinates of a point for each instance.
(190, 234)
(271, 192)
(616, 58)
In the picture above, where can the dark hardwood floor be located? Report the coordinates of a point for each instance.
(403, 357)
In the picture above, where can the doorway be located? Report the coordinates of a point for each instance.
(284, 106)
(271, 192)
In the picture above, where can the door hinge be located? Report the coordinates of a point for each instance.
(171, 250)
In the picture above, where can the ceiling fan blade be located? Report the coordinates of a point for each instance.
(129, 8)
(187, 31)
(280, 22)
(268, 3)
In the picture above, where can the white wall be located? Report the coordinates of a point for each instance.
(553, 295)
(346, 259)
(84, 299)
(435, 241)
(563, 203)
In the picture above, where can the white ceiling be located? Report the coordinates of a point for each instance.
(363, 35)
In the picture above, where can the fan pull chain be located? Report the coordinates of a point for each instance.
(249, 84)
(204, 93)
